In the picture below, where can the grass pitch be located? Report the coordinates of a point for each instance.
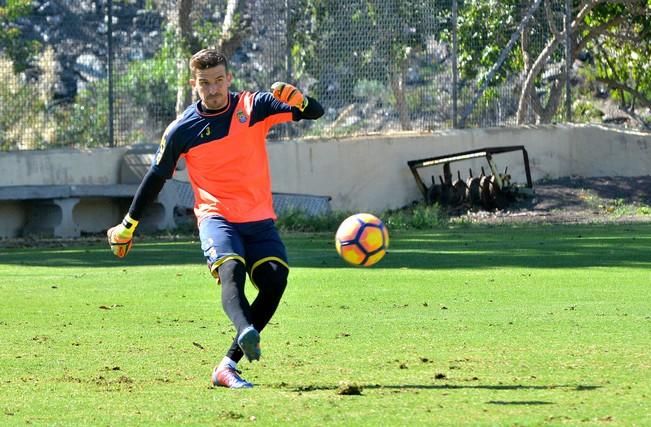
(544, 325)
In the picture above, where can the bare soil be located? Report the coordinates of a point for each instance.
(576, 200)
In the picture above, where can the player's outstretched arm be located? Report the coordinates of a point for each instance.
(120, 237)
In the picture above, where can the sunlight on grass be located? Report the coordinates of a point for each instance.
(533, 325)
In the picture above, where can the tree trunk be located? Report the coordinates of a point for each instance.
(527, 97)
(528, 87)
(547, 114)
(397, 80)
(234, 32)
(184, 34)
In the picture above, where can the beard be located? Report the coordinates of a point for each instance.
(214, 102)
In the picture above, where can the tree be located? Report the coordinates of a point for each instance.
(613, 32)
(341, 43)
(485, 37)
(236, 26)
(185, 42)
(234, 29)
(622, 59)
(607, 27)
(12, 44)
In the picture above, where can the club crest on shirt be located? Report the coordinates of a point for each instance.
(241, 116)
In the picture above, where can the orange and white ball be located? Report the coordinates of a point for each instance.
(362, 240)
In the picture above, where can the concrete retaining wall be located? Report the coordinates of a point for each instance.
(371, 173)
(61, 167)
(360, 174)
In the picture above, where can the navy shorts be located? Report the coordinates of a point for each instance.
(249, 242)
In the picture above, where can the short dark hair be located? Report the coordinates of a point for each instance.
(207, 58)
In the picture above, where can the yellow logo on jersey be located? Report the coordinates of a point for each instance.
(206, 132)
(161, 149)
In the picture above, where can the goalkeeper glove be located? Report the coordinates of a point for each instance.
(289, 94)
(120, 237)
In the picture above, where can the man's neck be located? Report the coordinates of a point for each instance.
(204, 109)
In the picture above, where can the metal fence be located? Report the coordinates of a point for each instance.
(88, 73)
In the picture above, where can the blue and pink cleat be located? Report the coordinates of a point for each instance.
(225, 376)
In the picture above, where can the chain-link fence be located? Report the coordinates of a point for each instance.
(86, 73)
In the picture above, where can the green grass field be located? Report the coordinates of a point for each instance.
(540, 325)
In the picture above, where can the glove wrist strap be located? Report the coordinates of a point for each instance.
(129, 223)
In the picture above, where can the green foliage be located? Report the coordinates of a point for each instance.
(643, 210)
(418, 216)
(378, 36)
(373, 91)
(207, 32)
(619, 208)
(296, 220)
(483, 29)
(84, 123)
(145, 91)
(12, 44)
(150, 85)
(621, 54)
(584, 111)
(21, 108)
(624, 57)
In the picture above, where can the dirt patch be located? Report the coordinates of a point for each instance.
(576, 200)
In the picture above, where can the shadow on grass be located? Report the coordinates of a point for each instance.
(498, 387)
(555, 246)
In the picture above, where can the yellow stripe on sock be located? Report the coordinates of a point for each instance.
(215, 265)
(263, 260)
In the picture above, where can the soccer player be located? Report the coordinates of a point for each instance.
(222, 138)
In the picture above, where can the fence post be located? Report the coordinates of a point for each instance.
(109, 35)
(455, 70)
(569, 60)
(288, 48)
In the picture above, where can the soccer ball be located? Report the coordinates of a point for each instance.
(362, 239)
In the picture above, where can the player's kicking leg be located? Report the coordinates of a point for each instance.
(232, 275)
(223, 249)
(270, 277)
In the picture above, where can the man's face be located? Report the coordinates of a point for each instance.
(212, 86)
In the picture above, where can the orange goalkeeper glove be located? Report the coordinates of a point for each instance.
(289, 94)
(120, 237)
